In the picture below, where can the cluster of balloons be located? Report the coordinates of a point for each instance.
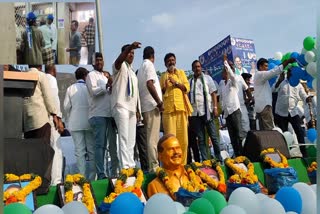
(70, 208)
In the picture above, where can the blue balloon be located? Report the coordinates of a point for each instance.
(295, 55)
(272, 81)
(126, 202)
(297, 72)
(309, 84)
(312, 135)
(290, 199)
(301, 61)
(294, 81)
(271, 65)
(277, 62)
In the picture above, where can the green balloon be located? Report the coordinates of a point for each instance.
(16, 208)
(286, 56)
(308, 43)
(189, 212)
(295, 64)
(217, 200)
(202, 206)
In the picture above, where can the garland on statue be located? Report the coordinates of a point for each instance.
(313, 167)
(20, 195)
(271, 162)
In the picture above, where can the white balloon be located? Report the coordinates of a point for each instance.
(309, 56)
(246, 199)
(314, 188)
(49, 209)
(308, 196)
(278, 55)
(314, 84)
(75, 207)
(231, 209)
(312, 69)
(160, 203)
(270, 205)
(314, 50)
(180, 208)
(289, 138)
(278, 129)
(291, 212)
(261, 196)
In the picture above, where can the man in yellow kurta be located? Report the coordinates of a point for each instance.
(175, 86)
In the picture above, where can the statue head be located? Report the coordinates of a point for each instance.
(170, 152)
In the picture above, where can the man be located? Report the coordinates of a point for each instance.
(32, 42)
(100, 118)
(151, 104)
(250, 103)
(76, 105)
(124, 102)
(175, 87)
(228, 92)
(54, 38)
(286, 107)
(47, 54)
(204, 103)
(75, 44)
(89, 35)
(263, 94)
(57, 163)
(171, 156)
(239, 69)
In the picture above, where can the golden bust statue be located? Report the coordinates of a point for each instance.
(170, 155)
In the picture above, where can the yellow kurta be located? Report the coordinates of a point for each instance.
(175, 117)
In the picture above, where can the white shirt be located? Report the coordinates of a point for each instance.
(76, 105)
(55, 92)
(120, 88)
(148, 72)
(198, 105)
(100, 96)
(288, 98)
(47, 35)
(228, 93)
(54, 36)
(242, 86)
(262, 89)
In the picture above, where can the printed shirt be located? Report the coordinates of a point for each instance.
(89, 32)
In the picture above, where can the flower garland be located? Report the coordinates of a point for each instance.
(121, 181)
(87, 198)
(218, 185)
(241, 176)
(313, 167)
(20, 195)
(271, 162)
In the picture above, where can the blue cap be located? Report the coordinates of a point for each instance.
(50, 16)
(31, 16)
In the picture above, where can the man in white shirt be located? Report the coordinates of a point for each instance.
(263, 93)
(76, 105)
(203, 99)
(151, 104)
(286, 107)
(54, 38)
(228, 92)
(100, 118)
(57, 163)
(124, 102)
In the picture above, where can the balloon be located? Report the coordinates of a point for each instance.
(309, 201)
(289, 138)
(201, 206)
(294, 55)
(286, 56)
(290, 212)
(314, 188)
(270, 205)
(261, 196)
(160, 203)
(179, 207)
(303, 51)
(314, 84)
(294, 81)
(301, 61)
(272, 81)
(217, 200)
(231, 209)
(297, 72)
(245, 198)
(308, 43)
(15, 208)
(75, 207)
(290, 199)
(189, 212)
(309, 56)
(271, 65)
(278, 56)
(312, 135)
(49, 209)
(126, 201)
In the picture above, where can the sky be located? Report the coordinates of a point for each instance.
(188, 28)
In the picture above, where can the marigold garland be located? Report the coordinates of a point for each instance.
(241, 176)
(80, 180)
(271, 162)
(20, 195)
(218, 185)
(313, 167)
(121, 181)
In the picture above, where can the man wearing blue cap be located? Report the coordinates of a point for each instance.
(32, 42)
(54, 38)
